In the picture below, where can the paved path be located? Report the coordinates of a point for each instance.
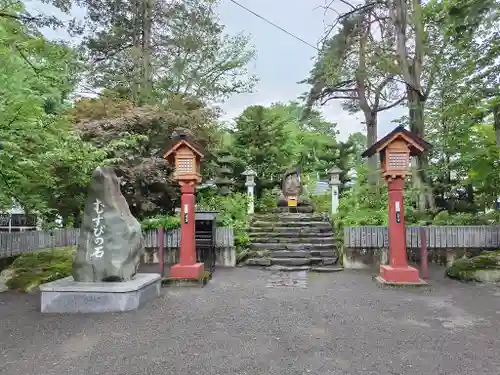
(340, 324)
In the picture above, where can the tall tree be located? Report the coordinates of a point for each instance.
(44, 165)
(356, 66)
(147, 49)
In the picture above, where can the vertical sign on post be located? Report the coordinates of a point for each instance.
(395, 150)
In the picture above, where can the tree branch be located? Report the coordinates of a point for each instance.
(112, 53)
(389, 106)
(25, 58)
(378, 91)
(19, 17)
(338, 97)
(358, 9)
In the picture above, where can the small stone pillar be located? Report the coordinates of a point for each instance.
(335, 183)
(250, 184)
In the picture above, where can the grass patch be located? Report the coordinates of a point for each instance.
(30, 270)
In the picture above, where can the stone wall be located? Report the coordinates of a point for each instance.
(224, 256)
(372, 258)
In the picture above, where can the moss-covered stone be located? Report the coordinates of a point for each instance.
(30, 270)
(482, 268)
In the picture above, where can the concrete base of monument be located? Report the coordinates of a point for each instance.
(68, 296)
(192, 271)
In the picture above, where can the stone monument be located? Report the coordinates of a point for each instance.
(111, 240)
(291, 188)
(105, 266)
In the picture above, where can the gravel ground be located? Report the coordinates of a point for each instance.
(340, 324)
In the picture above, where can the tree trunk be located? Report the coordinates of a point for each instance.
(496, 121)
(420, 165)
(147, 22)
(77, 219)
(136, 41)
(371, 138)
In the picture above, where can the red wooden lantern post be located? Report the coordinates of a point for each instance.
(186, 155)
(395, 150)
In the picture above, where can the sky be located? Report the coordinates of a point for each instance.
(281, 60)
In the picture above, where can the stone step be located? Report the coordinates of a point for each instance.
(290, 217)
(302, 254)
(291, 246)
(296, 224)
(293, 262)
(287, 268)
(293, 230)
(299, 209)
(295, 234)
(266, 239)
(326, 269)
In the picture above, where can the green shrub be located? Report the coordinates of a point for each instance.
(459, 218)
(232, 212)
(32, 269)
(267, 201)
(322, 202)
(166, 221)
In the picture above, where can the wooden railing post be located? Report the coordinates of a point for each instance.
(161, 249)
(424, 258)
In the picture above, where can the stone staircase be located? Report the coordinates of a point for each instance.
(293, 242)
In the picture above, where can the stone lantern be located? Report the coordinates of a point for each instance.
(334, 182)
(186, 155)
(250, 184)
(395, 150)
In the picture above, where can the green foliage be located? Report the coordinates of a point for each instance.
(232, 212)
(267, 201)
(166, 221)
(32, 269)
(322, 202)
(363, 204)
(45, 166)
(459, 218)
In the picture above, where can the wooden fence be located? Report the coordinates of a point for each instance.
(438, 237)
(12, 244)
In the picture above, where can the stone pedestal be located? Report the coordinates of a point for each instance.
(69, 296)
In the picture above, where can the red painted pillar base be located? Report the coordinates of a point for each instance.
(398, 271)
(193, 271)
(187, 267)
(395, 275)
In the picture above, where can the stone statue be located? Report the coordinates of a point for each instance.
(290, 183)
(111, 241)
(291, 186)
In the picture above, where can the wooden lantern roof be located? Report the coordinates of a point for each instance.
(415, 143)
(182, 139)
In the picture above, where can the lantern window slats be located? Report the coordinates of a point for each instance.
(185, 165)
(399, 160)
